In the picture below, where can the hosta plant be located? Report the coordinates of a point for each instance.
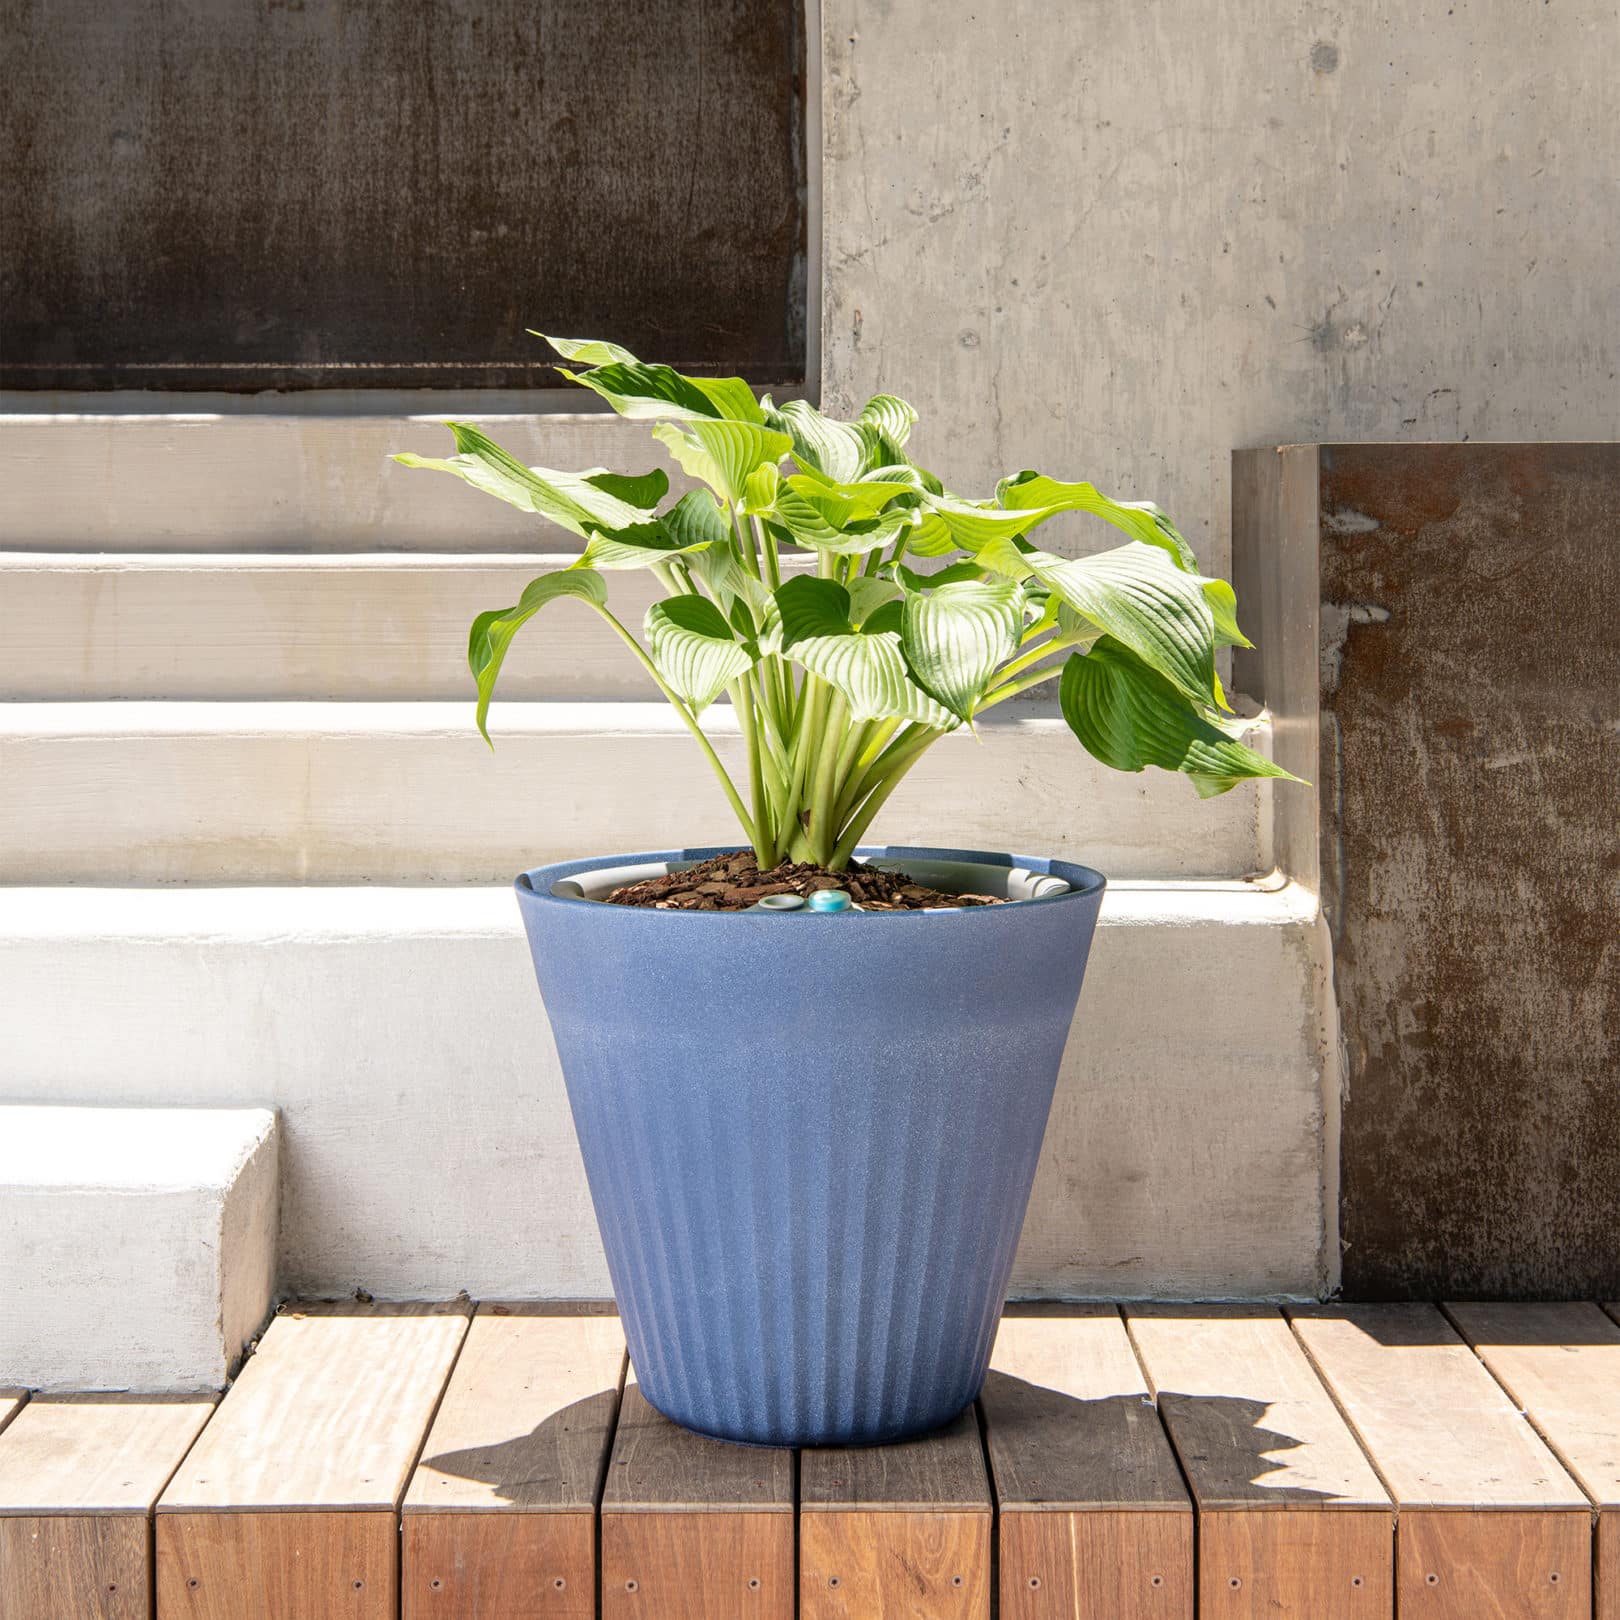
(854, 609)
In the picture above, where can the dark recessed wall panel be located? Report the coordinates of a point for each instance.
(346, 193)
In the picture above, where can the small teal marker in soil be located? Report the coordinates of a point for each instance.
(830, 900)
(780, 902)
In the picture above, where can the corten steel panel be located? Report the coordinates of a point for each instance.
(1470, 795)
(250, 194)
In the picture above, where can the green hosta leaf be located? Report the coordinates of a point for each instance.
(892, 417)
(1222, 601)
(695, 518)
(972, 524)
(1009, 556)
(723, 454)
(588, 351)
(865, 664)
(578, 502)
(830, 522)
(1139, 597)
(646, 491)
(492, 632)
(821, 443)
(644, 546)
(1041, 497)
(721, 571)
(951, 575)
(864, 498)
(957, 636)
(1130, 717)
(912, 484)
(931, 537)
(691, 525)
(1135, 593)
(867, 594)
(759, 491)
(646, 392)
(695, 649)
(812, 607)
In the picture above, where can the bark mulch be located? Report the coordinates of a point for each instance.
(734, 882)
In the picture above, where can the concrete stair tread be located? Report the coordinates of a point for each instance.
(430, 1144)
(381, 625)
(205, 912)
(139, 1242)
(247, 480)
(249, 792)
(142, 1149)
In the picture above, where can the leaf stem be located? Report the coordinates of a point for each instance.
(822, 831)
(878, 797)
(690, 719)
(742, 699)
(1022, 684)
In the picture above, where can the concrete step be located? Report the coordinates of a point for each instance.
(407, 792)
(247, 481)
(137, 1243)
(428, 1141)
(316, 626)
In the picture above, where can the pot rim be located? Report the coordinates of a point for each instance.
(1085, 883)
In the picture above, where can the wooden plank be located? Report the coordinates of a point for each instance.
(1102, 1565)
(500, 1518)
(329, 1413)
(1491, 1526)
(78, 1477)
(896, 1530)
(692, 1527)
(93, 1454)
(295, 1566)
(1561, 1364)
(1606, 1568)
(1292, 1518)
(1095, 1523)
(293, 1491)
(11, 1403)
(98, 1566)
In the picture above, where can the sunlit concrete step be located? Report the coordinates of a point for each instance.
(314, 626)
(137, 1243)
(428, 1142)
(97, 480)
(408, 792)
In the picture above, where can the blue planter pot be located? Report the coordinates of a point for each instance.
(810, 1138)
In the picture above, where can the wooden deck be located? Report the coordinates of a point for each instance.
(441, 1462)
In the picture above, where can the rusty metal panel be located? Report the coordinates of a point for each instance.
(1470, 798)
(251, 194)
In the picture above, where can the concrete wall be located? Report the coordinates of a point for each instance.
(1117, 238)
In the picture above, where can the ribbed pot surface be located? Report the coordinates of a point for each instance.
(810, 1139)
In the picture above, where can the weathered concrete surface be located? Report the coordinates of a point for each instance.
(255, 193)
(1470, 794)
(1116, 240)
